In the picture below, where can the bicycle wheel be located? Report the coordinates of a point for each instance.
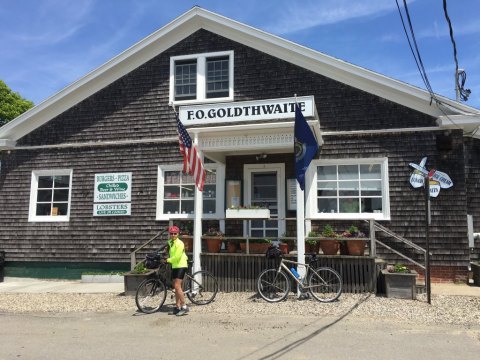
(201, 287)
(325, 284)
(150, 295)
(273, 286)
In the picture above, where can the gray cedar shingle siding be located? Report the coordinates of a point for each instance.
(136, 107)
(472, 160)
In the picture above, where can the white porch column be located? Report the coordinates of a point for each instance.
(197, 222)
(300, 229)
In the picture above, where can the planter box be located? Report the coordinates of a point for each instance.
(107, 278)
(131, 281)
(247, 214)
(476, 273)
(400, 285)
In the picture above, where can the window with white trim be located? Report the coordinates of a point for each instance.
(50, 195)
(176, 192)
(201, 77)
(351, 189)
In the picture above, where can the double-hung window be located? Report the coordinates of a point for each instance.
(201, 77)
(176, 192)
(350, 189)
(50, 195)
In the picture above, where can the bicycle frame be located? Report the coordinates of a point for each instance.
(285, 267)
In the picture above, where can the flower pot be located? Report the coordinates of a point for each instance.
(214, 244)
(188, 242)
(329, 247)
(255, 248)
(400, 285)
(232, 247)
(284, 248)
(312, 248)
(356, 247)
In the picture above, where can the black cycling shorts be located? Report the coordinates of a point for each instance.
(178, 273)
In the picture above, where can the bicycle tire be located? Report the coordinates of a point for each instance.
(204, 285)
(273, 286)
(150, 295)
(325, 284)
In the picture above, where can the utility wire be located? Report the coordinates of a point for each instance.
(464, 93)
(419, 62)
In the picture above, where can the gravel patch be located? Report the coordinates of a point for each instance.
(458, 310)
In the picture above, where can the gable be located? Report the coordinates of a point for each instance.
(195, 19)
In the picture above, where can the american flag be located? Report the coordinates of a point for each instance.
(192, 164)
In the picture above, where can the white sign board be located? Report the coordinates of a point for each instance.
(113, 187)
(437, 179)
(116, 209)
(246, 111)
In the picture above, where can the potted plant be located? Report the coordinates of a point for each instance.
(312, 246)
(256, 246)
(355, 245)
(186, 235)
(232, 246)
(214, 239)
(133, 278)
(400, 282)
(330, 245)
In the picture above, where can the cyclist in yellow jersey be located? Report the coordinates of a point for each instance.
(178, 259)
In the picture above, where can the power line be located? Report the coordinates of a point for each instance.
(459, 74)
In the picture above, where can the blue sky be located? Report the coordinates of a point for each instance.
(48, 44)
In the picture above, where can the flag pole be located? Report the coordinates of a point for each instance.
(300, 221)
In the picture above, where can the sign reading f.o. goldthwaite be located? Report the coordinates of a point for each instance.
(112, 188)
(246, 110)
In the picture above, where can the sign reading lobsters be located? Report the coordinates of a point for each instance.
(112, 188)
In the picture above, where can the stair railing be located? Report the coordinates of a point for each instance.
(133, 254)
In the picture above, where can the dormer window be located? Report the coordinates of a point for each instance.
(201, 78)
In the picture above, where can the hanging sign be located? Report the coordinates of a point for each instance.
(437, 179)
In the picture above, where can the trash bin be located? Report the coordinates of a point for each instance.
(2, 265)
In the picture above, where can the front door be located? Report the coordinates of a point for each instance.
(265, 186)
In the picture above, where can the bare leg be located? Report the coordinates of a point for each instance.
(179, 296)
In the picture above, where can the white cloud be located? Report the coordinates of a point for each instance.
(308, 14)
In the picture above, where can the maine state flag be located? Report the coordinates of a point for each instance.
(305, 146)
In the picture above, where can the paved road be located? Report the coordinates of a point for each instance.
(129, 335)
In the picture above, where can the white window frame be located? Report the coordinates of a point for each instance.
(201, 78)
(32, 216)
(219, 196)
(311, 190)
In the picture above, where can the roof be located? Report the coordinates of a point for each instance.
(198, 18)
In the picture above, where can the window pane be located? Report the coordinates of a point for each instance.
(209, 191)
(171, 207)
(60, 195)
(45, 182)
(208, 206)
(257, 233)
(347, 172)
(186, 80)
(188, 191)
(172, 177)
(349, 205)
(62, 181)
(327, 205)
(187, 206)
(217, 77)
(44, 195)
(371, 171)
(271, 233)
(172, 192)
(327, 172)
(327, 188)
(372, 205)
(348, 188)
(187, 179)
(43, 209)
(371, 188)
(62, 208)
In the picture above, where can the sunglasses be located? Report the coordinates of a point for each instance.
(173, 233)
